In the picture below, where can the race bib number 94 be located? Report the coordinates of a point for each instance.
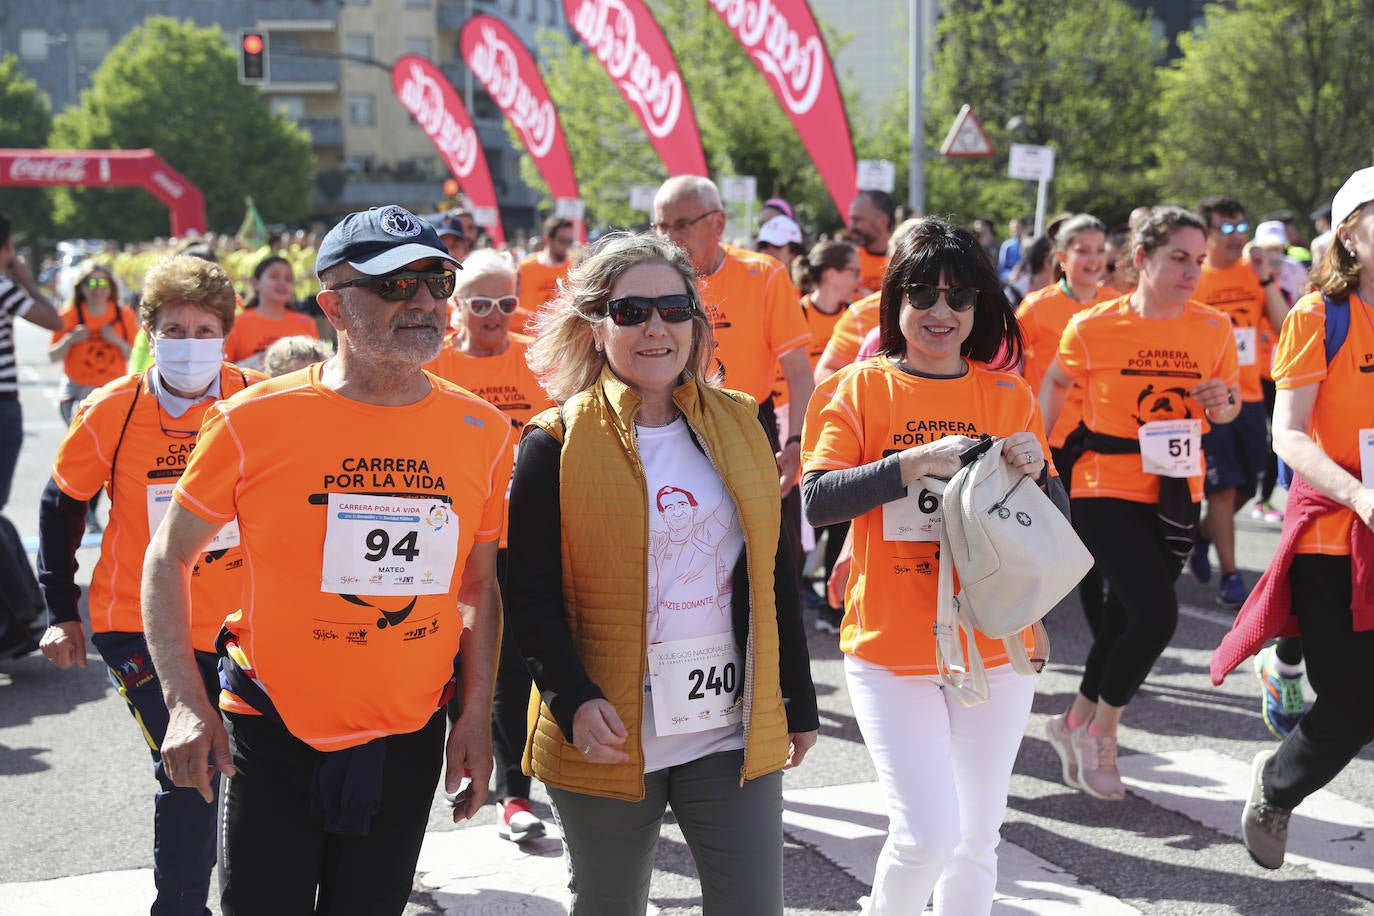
(388, 545)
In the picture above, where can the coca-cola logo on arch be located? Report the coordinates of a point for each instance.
(608, 28)
(423, 97)
(797, 66)
(65, 169)
(495, 65)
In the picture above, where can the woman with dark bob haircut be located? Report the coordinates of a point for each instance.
(873, 430)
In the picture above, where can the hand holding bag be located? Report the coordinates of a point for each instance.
(1016, 556)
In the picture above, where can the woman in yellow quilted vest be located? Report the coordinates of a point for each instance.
(652, 594)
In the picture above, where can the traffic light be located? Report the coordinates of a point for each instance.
(252, 58)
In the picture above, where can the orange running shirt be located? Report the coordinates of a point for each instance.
(357, 521)
(1043, 315)
(872, 267)
(95, 361)
(1133, 371)
(821, 326)
(867, 411)
(852, 327)
(1345, 400)
(753, 309)
(151, 456)
(504, 381)
(1236, 291)
(253, 333)
(538, 284)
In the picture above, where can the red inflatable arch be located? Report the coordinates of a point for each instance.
(140, 168)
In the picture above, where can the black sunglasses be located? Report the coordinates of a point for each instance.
(631, 310)
(404, 284)
(481, 306)
(924, 296)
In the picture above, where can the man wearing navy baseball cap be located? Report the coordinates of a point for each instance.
(368, 496)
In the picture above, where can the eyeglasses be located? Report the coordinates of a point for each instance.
(631, 310)
(481, 306)
(97, 283)
(681, 225)
(924, 296)
(1232, 228)
(404, 284)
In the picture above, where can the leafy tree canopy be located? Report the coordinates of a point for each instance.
(171, 86)
(25, 123)
(1270, 103)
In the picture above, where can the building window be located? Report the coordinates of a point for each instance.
(360, 109)
(422, 47)
(551, 12)
(92, 45)
(355, 2)
(418, 4)
(293, 106)
(358, 46)
(33, 44)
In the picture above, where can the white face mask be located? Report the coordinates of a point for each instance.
(188, 364)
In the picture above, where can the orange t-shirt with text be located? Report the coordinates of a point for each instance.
(1345, 400)
(1236, 292)
(821, 326)
(1135, 370)
(253, 333)
(147, 461)
(95, 361)
(872, 409)
(342, 669)
(505, 381)
(752, 304)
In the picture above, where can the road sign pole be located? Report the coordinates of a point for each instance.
(1040, 195)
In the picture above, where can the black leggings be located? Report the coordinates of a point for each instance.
(1341, 720)
(1141, 610)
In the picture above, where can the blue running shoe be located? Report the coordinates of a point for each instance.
(1198, 562)
(1231, 591)
(1283, 704)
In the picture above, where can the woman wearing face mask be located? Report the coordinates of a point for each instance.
(266, 317)
(132, 437)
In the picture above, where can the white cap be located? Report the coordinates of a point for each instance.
(780, 231)
(1272, 234)
(1357, 190)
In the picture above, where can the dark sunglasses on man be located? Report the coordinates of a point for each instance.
(481, 306)
(631, 310)
(1239, 228)
(404, 284)
(923, 296)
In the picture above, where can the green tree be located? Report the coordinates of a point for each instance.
(1078, 76)
(25, 123)
(743, 130)
(171, 86)
(1270, 102)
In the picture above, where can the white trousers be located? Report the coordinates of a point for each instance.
(945, 772)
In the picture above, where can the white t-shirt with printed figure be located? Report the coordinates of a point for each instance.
(696, 675)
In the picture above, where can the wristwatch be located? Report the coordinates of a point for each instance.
(1267, 281)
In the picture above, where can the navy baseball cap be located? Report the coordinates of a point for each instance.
(379, 241)
(450, 225)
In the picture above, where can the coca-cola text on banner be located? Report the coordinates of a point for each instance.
(139, 168)
(430, 98)
(782, 39)
(625, 38)
(506, 69)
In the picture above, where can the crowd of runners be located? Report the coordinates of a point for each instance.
(390, 507)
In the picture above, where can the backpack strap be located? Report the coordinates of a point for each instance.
(1337, 324)
(114, 458)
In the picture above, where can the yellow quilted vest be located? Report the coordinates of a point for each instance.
(605, 534)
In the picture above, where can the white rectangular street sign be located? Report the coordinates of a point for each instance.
(876, 175)
(735, 189)
(642, 196)
(1031, 163)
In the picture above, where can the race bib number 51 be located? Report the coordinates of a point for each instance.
(388, 545)
(1171, 448)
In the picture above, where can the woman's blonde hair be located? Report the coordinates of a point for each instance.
(1338, 274)
(187, 280)
(563, 355)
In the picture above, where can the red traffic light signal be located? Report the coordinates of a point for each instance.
(252, 57)
(451, 187)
